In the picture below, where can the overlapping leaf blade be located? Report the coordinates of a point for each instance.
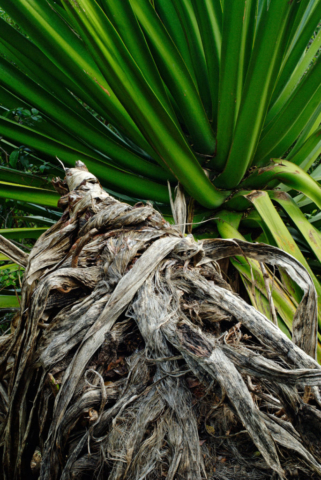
(264, 64)
(142, 104)
(310, 233)
(281, 235)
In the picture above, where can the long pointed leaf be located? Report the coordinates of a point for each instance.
(14, 80)
(259, 83)
(64, 49)
(281, 235)
(113, 178)
(12, 267)
(283, 130)
(34, 209)
(294, 79)
(308, 153)
(17, 233)
(25, 54)
(298, 23)
(8, 301)
(298, 49)
(45, 125)
(37, 220)
(29, 194)
(176, 76)
(168, 14)
(16, 176)
(209, 17)
(249, 269)
(228, 83)
(49, 76)
(246, 47)
(311, 127)
(142, 103)
(311, 234)
(288, 173)
(124, 20)
(187, 15)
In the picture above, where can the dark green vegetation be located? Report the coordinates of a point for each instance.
(148, 93)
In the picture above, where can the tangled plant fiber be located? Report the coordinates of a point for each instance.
(132, 358)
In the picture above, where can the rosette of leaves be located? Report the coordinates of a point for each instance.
(222, 97)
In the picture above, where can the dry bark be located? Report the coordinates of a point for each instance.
(133, 358)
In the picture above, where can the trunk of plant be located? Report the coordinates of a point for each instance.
(132, 358)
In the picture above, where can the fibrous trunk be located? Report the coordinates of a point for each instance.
(132, 358)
